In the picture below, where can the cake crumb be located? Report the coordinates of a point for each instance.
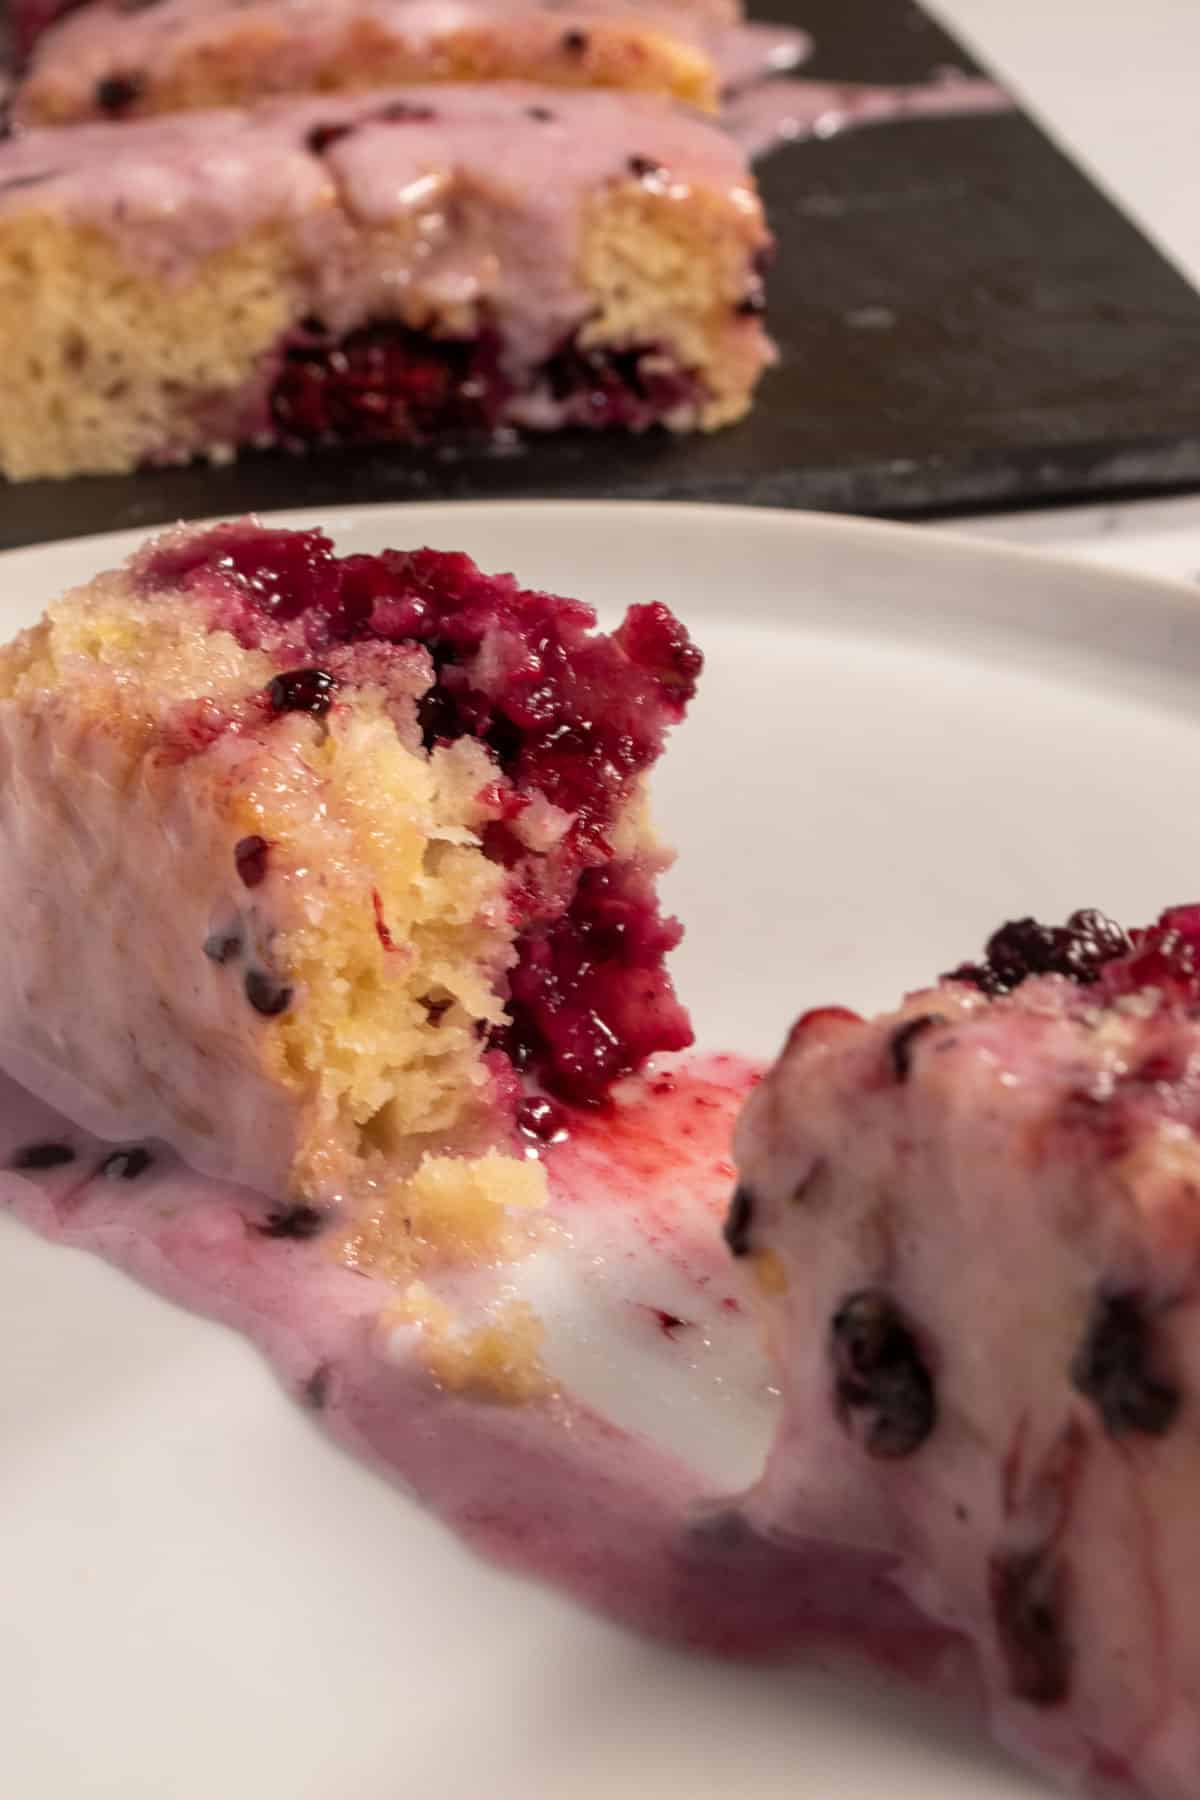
(499, 1360)
(769, 1272)
(1161, 1173)
(453, 1208)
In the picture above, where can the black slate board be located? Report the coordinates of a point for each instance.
(1041, 348)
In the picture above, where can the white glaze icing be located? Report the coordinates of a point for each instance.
(472, 179)
(769, 113)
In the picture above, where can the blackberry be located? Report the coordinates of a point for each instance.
(1024, 947)
(879, 1372)
(1114, 1368)
(302, 690)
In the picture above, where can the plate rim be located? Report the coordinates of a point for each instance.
(1172, 599)
(936, 540)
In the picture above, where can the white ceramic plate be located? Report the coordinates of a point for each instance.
(901, 740)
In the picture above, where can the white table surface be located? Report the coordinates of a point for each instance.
(1115, 84)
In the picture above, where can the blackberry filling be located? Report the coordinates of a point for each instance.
(591, 1000)
(1025, 947)
(1094, 952)
(572, 720)
(627, 389)
(386, 383)
(302, 690)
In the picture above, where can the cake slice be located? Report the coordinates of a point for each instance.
(114, 61)
(28, 19)
(332, 870)
(380, 269)
(976, 1225)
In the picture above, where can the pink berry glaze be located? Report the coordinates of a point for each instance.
(573, 717)
(556, 1487)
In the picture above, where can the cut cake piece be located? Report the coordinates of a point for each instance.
(324, 864)
(976, 1225)
(120, 61)
(373, 270)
